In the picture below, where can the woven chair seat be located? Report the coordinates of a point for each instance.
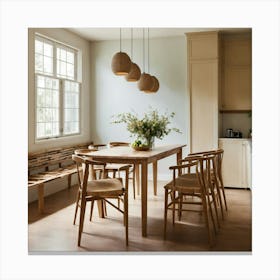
(185, 185)
(105, 187)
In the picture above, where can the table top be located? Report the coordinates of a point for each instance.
(127, 154)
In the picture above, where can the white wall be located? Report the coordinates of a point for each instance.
(113, 94)
(83, 45)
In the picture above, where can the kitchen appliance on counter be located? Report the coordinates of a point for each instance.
(233, 134)
(229, 132)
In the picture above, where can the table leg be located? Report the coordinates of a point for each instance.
(137, 178)
(179, 157)
(144, 187)
(155, 177)
(100, 208)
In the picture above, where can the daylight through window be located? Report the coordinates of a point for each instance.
(57, 89)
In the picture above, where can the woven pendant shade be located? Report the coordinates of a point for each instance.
(145, 82)
(134, 73)
(121, 64)
(154, 87)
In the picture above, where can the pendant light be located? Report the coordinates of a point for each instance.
(121, 62)
(146, 81)
(155, 83)
(135, 72)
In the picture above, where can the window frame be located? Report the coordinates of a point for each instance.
(61, 91)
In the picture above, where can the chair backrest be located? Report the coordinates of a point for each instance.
(116, 144)
(203, 169)
(83, 164)
(216, 162)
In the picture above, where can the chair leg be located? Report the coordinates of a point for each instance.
(173, 207)
(165, 212)
(215, 204)
(126, 216)
(82, 216)
(205, 211)
(223, 190)
(77, 205)
(180, 207)
(211, 212)
(224, 195)
(219, 198)
(91, 209)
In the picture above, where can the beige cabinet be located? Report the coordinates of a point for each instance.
(236, 74)
(236, 166)
(203, 77)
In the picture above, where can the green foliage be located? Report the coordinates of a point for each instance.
(151, 125)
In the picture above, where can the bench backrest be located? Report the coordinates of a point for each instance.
(57, 156)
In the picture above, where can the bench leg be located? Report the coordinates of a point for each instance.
(69, 181)
(41, 198)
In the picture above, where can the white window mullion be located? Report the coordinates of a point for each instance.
(61, 107)
(80, 107)
(76, 66)
(54, 60)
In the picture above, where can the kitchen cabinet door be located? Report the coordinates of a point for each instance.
(204, 105)
(203, 84)
(236, 166)
(236, 80)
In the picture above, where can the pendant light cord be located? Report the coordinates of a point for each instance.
(132, 44)
(148, 51)
(120, 39)
(143, 51)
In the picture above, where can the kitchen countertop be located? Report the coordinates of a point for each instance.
(237, 139)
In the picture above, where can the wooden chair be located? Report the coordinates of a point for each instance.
(96, 172)
(217, 174)
(133, 170)
(99, 189)
(187, 187)
(115, 168)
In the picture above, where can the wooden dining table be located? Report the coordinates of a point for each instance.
(128, 155)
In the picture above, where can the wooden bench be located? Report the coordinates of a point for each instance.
(48, 165)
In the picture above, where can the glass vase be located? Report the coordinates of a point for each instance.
(147, 141)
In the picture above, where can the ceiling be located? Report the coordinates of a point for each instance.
(102, 34)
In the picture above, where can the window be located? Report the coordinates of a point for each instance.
(57, 89)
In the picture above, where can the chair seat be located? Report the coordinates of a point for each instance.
(185, 185)
(104, 187)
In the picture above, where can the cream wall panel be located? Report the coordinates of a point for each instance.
(204, 105)
(203, 46)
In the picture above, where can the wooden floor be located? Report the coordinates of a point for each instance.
(54, 231)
